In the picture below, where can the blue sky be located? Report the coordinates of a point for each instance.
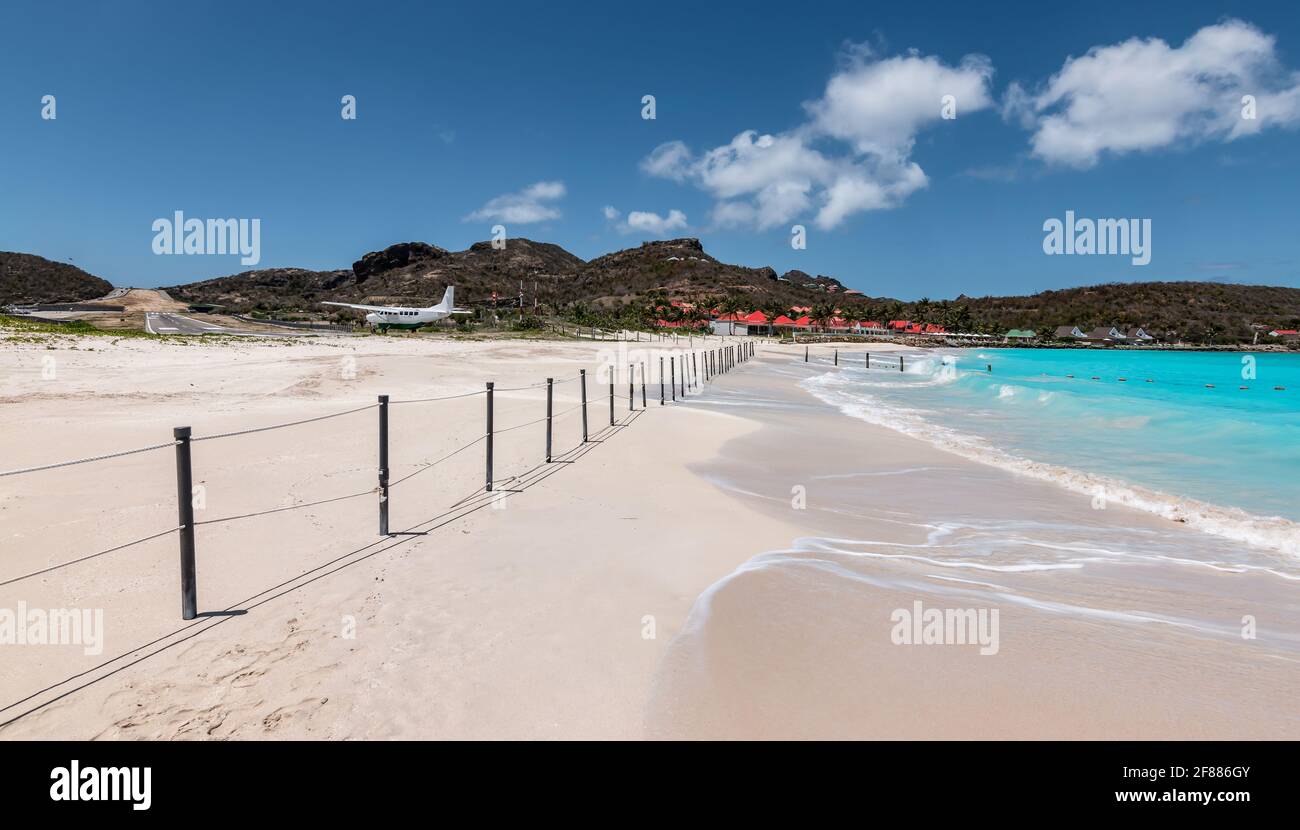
(233, 110)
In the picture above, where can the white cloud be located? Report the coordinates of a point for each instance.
(1143, 94)
(670, 160)
(875, 107)
(880, 105)
(653, 223)
(526, 206)
(611, 213)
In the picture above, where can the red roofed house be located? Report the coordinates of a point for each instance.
(898, 325)
(1287, 335)
(730, 324)
(758, 323)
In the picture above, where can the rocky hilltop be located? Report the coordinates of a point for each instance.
(30, 279)
(417, 273)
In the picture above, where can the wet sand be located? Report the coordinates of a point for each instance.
(1112, 638)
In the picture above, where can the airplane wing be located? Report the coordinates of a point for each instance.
(461, 311)
(361, 307)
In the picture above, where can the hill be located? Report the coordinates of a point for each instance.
(1198, 312)
(413, 273)
(630, 280)
(29, 279)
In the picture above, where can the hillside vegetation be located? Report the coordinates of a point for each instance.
(27, 279)
(635, 287)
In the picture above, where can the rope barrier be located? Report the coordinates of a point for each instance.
(424, 467)
(184, 440)
(443, 398)
(87, 460)
(371, 491)
(519, 426)
(281, 426)
(90, 556)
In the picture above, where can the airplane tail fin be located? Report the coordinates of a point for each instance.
(448, 299)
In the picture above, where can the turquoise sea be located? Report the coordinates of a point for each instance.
(1211, 438)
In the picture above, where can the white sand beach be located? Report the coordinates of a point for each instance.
(612, 593)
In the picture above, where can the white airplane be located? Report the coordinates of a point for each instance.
(398, 317)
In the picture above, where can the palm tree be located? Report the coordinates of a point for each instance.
(731, 304)
(822, 313)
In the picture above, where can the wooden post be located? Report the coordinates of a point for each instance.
(582, 377)
(489, 436)
(383, 465)
(185, 512)
(550, 388)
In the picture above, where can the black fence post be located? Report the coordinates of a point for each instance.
(582, 377)
(611, 394)
(631, 386)
(490, 384)
(805, 354)
(867, 362)
(672, 375)
(643, 385)
(383, 465)
(185, 511)
(550, 388)
(900, 363)
(837, 357)
(695, 371)
(661, 380)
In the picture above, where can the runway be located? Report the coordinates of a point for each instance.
(158, 322)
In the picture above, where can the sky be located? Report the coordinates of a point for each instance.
(829, 116)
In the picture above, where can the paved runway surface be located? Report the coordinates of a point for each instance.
(157, 322)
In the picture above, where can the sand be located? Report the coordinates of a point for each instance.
(529, 621)
(552, 612)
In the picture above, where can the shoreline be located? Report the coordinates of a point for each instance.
(795, 644)
(1263, 532)
(656, 584)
